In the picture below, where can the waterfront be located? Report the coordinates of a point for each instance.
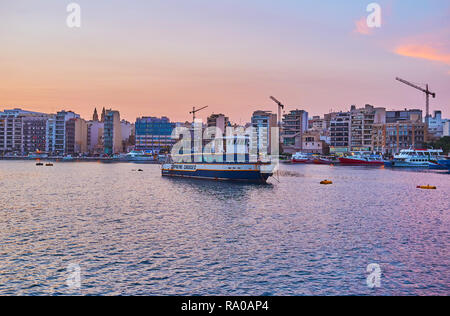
(138, 233)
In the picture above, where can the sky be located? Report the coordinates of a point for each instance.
(162, 57)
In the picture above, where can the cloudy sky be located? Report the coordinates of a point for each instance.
(161, 57)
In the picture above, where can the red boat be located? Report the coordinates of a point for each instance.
(323, 161)
(301, 158)
(362, 159)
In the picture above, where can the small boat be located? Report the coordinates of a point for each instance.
(39, 164)
(362, 159)
(49, 164)
(419, 158)
(299, 157)
(323, 161)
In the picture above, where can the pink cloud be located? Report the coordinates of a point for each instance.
(361, 27)
(423, 51)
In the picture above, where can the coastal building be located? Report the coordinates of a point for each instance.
(317, 123)
(128, 133)
(436, 125)
(340, 133)
(404, 115)
(391, 138)
(362, 121)
(263, 122)
(446, 130)
(22, 132)
(76, 136)
(154, 134)
(295, 123)
(34, 131)
(112, 134)
(313, 144)
(95, 137)
(50, 133)
(218, 120)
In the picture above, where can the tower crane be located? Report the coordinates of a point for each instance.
(280, 107)
(194, 111)
(427, 93)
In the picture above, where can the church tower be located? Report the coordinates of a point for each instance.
(95, 116)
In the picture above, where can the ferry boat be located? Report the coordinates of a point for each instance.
(417, 158)
(362, 159)
(301, 158)
(236, 171)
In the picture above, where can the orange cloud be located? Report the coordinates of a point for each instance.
(361, 27)
(423, 52)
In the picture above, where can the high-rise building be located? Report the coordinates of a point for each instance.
(446, 130)
(295, 123)
(153, 133)
(95, 137)
(340, 132)
(34, 133)
(362, 121)
(76, 136)
(59, 142)
(10, 133)
(112, 134)
(218, 120)
(263, 122)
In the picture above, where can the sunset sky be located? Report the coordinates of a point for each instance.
(154, 58)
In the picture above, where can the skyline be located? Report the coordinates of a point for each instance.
(230, 56)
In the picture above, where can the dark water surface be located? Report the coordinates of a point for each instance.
(137, 233)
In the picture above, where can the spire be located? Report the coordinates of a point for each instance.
(103, 114)
(95, 116)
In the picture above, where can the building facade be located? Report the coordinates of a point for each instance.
(340, 133)
(263, 122)
(112, 134)
(95, 137)
(59, 132)
(295, 123)
(362, 121)
(390, 138)
(313, 144)
(154, 134)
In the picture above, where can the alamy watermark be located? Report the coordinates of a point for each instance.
(374, 18)
(374, 278)
(73, 280)
(74, 18)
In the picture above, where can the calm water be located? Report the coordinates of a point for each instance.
(137, 233)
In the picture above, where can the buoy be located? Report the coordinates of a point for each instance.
(326, 182)
(427, 187)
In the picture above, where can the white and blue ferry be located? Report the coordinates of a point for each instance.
(258, 172)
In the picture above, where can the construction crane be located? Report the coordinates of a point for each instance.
(427, 93)
(194, 111)
(280, 107)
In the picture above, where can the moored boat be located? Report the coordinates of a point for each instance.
(362, 159)
(301, 158)
(323, 161)
(419, 158)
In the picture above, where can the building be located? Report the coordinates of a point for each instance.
(127, 130)
(436, 125)
(263, 122)
(50, 133)
(317, 123)
(76, 136)
(95, 115)
(218, 120)
(22, 132)
(404, 115)
(390, 138)
(340, 132)
(295, 123)
(59, 131)
(153, 133)
(95, 137)
(34, 131)
(446, 130)
(112, 134)
(313, 144)
(362, 121)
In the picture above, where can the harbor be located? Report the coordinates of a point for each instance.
(137, 233)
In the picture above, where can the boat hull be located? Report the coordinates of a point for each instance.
(301, 161)
(357, 162)
(250, 173)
